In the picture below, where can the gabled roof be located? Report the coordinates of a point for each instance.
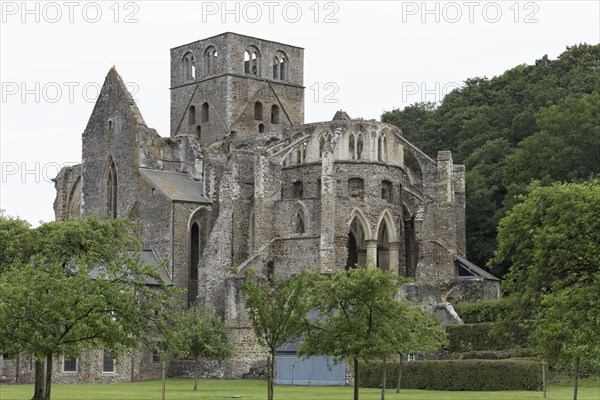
(176, 186)
(471, 270)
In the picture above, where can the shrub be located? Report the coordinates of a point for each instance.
(485, 336)
(476, 375)
(484, 311)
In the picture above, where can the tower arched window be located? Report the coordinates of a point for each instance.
(188, 67)
(252, 61)
(192, 115)
(280, 66)
(210, 60)
(383, 151)
(258, 111)
(275, 68)
(205, 112)
(275, 114)
(111, 190)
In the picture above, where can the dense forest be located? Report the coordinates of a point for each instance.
(534, 122)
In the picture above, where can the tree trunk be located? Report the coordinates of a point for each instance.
(40, 381)
(384, 379)
(269, 397)
(355, 378)
(399, 383)
(272, 375)
(48, 376)
(164, 378)
(576, 379)
(196, 374)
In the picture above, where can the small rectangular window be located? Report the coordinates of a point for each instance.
(70, 364)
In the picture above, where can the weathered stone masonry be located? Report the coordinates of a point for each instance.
(243, 183)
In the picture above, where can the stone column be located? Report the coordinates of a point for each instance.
(371, 254)
(394, 256)
(326, 246)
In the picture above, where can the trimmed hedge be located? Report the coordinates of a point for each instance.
(483, 311)
(475, 375)
(485, 336)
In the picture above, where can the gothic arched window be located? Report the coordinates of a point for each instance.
(111, 190)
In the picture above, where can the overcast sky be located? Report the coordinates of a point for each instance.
(360, 56)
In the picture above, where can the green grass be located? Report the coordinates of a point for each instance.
(181, 389)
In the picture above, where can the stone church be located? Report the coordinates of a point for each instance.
(243, 182)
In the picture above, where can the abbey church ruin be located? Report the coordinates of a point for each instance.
(242, 182)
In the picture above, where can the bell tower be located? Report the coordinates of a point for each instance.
(233, 83)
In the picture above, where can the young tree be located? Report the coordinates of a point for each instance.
(568, 327)
(83, 288)
(199, 332)
(422, 332)
(277, 309)
(359, 317)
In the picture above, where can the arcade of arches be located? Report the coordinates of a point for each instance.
(382, 251)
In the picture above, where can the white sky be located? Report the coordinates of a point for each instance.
(360, 56)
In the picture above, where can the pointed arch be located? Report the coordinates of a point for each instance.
(324, 141)
(359, 233)
(111, 189)
(199, 229)
(352, 146)
(386, 234)
(299, 218)
(386, 219)
(411, 246)
(358, 214)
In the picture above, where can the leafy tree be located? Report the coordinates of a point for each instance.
(550, 240)
(15, 242)
(83, 288)
(360, 319)
(277, 309)
(499, 115)
(566, 146)
(200, 333)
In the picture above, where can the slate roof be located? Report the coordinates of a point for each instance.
(176, 185)
(151, 258)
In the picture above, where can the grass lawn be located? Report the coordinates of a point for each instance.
(181, 389)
